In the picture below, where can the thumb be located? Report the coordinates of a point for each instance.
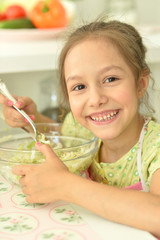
(47, 151)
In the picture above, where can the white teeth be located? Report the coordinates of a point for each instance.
(105, 117)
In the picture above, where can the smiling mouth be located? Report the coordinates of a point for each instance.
(105, 116)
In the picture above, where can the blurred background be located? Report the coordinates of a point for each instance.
(28, 57)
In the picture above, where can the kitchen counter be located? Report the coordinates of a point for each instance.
(39, 55)
(56, 221)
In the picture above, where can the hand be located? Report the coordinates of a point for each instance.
(43, 182)
(14, 118)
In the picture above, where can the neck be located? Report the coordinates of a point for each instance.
(113, 150)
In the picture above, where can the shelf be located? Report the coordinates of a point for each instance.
(29, 56)
(43, 55)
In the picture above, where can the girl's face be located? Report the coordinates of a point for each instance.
(102, 90)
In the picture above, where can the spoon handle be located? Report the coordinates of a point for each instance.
(4, 91)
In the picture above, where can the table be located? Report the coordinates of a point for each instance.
(56, 221)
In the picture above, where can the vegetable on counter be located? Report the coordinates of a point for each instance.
(2, 16)
(26, 4)
(16, 23)
(15, 11)
(15, 17)
(49, 14)
(43, 14)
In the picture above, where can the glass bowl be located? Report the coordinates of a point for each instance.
(17, 147)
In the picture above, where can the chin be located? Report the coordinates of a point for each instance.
(105, 135)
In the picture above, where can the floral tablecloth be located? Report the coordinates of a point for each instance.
(55, 221)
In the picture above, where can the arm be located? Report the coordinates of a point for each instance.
(136, 209)
(51, 181)
(154, 187)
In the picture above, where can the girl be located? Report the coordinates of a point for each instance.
(104, 76)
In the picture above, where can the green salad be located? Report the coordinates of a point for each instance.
(77, 159)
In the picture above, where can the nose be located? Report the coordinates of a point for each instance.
(97, 96)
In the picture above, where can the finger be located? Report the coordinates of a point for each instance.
(13, 115)
(25, 101)
(5, 101)
(13, 118)
(21, 170)
(22, 181)
(50, 156)
(32, 117)
(25, 190)
(31, 199)
(15, 122)
(46, 150)
(21, 102)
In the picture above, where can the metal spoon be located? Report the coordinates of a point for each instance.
(37, 135)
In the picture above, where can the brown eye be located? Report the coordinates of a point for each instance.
(110, 79)
(79, 87)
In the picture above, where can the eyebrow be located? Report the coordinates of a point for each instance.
(73, 77)
(108, 68)
(103, 70)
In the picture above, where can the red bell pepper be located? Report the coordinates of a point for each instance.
(48, 14)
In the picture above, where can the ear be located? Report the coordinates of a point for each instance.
(143, 83)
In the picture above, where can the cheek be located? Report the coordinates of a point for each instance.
(74, 106)
(127, 97)
(78, 108)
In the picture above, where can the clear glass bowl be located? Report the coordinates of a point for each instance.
(17, 147)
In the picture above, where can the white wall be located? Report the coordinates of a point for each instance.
(29, 84)
(147, 11)
(90, 9)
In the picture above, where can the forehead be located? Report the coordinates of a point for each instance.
(92, 41)
(93, 51)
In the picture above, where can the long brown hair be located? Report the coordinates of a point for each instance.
(124, 36)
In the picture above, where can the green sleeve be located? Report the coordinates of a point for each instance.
(151, 152)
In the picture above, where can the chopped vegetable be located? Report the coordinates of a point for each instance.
(76, 153)
(49, 14)
(31, 145)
